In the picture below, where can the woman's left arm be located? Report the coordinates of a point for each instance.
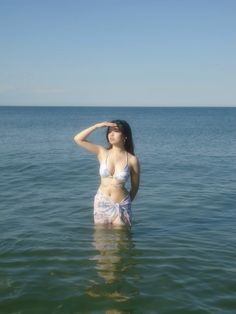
(135, 177)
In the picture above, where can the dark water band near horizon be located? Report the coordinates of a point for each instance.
(178, 257)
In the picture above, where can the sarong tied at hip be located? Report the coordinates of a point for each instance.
(106, 210)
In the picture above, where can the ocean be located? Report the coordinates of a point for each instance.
(178, 257)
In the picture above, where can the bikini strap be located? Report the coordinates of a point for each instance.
(107, 157)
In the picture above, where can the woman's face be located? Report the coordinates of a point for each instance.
(115, 136)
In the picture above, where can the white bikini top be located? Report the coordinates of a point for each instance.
(122, 176)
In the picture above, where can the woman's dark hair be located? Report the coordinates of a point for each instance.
(126, 131)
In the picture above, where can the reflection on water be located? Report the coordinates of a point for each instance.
(113, 246)
(115, 265)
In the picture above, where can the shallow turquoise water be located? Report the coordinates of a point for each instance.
(179, 256)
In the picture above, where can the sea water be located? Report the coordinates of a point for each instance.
(178, 257)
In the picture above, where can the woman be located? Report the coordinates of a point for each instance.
(112, 203)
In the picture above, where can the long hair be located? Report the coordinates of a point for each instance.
(127, 133)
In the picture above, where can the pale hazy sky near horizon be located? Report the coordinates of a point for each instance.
(118, 52)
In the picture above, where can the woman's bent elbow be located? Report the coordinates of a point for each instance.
(77, 140)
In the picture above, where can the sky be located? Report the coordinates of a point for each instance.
(118, 53)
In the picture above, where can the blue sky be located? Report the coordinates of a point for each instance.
(118, 52)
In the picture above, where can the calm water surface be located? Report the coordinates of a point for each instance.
(179, 256)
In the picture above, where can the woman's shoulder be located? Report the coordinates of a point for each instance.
(134, 164)
(102, 153)
(133, 160)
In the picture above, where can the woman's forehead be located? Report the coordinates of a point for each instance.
(114, 128)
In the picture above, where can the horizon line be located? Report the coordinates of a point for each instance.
(124, 106)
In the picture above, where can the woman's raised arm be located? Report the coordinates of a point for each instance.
(81, 138)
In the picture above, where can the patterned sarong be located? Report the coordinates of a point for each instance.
(106, 210)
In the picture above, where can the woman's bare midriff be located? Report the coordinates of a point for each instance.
(114, 191)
